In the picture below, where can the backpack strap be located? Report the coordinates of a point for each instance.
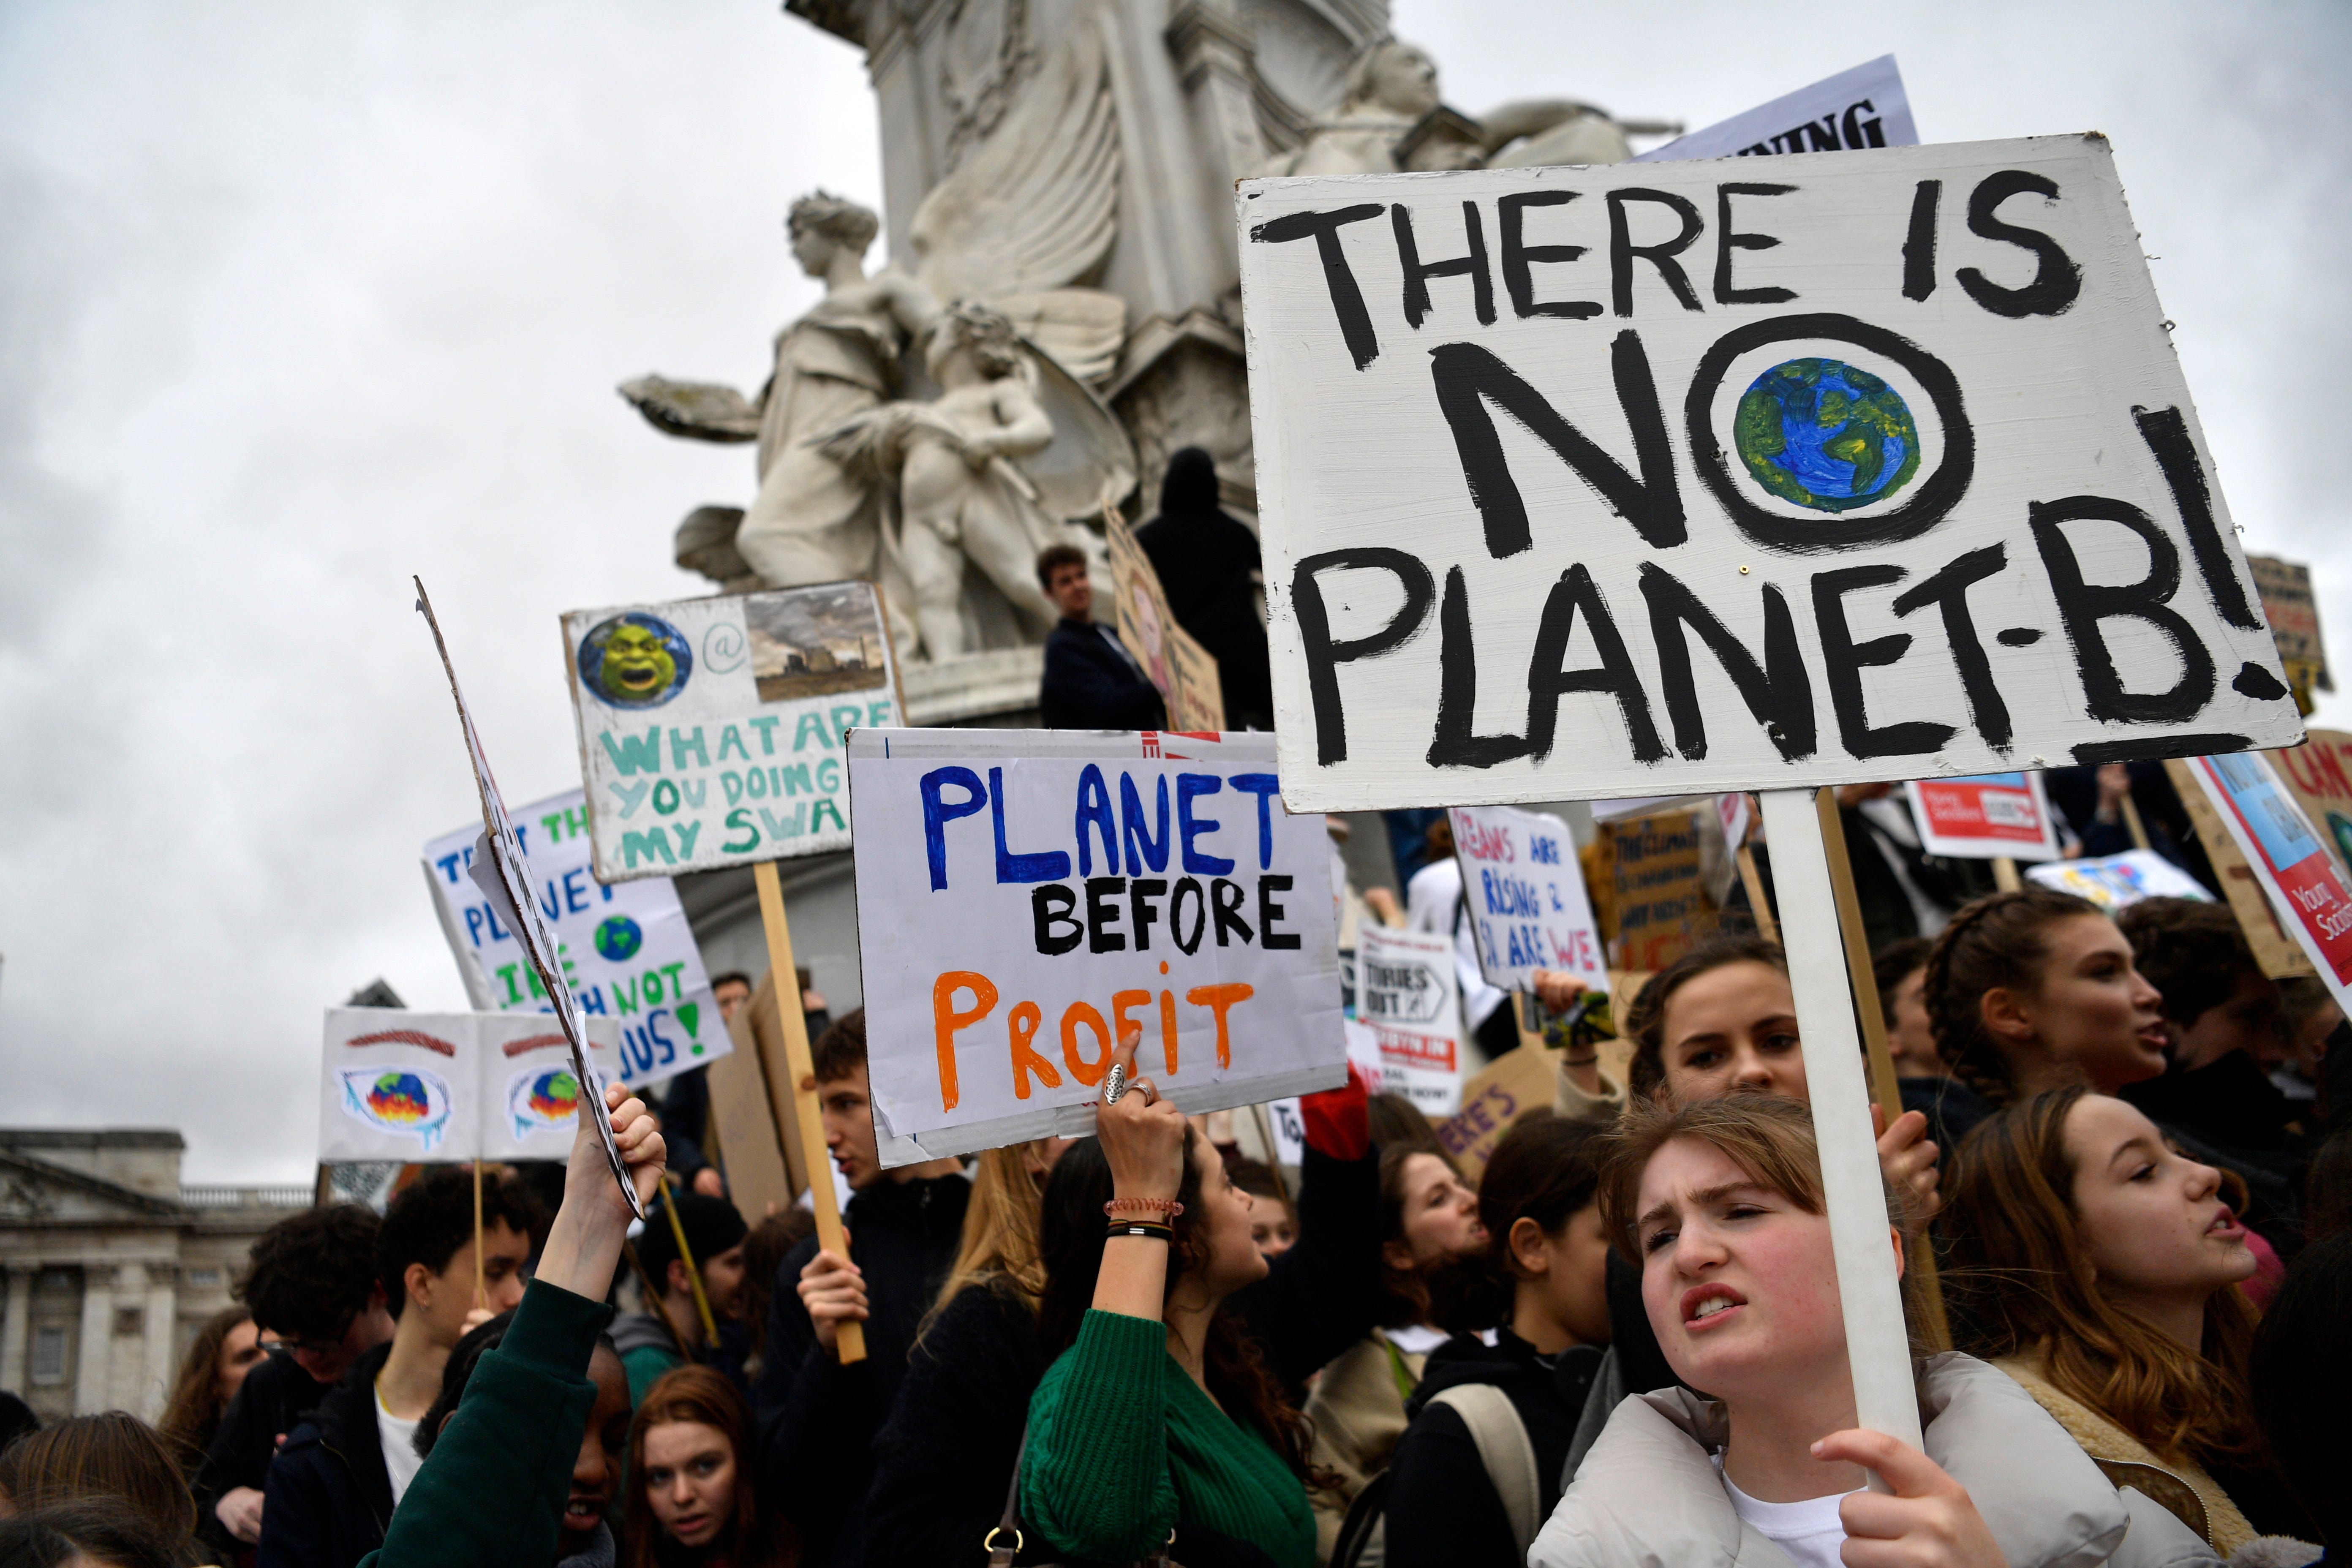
(1003, 1541)
(1504, 1448)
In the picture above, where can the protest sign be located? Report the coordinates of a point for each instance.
(1406, 995)
(710, 729)
(1657, 902)
(1024, 897)
(2003, 816)
(2112, 881)
(1185, 672)
(1717, 541)
(2293, 617)
(2307, 888)
(500, 870)
(1498, 1095)
(1526, 895)
(2320, 772)
(2276, 952)
(625, 947)
(447, 1087)
(1864, 107)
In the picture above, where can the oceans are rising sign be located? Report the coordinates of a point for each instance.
(1848, 466)
(1025, 897)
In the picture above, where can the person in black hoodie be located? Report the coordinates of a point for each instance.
(1204, 558)
(817, 1418)
(334, 1487)
(1539, 1202)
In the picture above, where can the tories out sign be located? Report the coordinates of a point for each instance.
(1025, 897)
(1701, 477)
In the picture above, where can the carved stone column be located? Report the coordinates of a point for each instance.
(93, 1380)
(163, 1329)
(1214, 49)
(16, 1330)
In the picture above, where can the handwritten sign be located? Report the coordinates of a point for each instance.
(2293, 617)
(1994, 817)
(625, 947)
(1657, 902)
(1864, 107)
(1408, 997)
(1024, 896)
(2307, 888)
(710, 729)
(1526, 895)
(1185, 672)
(2276, 952)
(1700, 476)
(1505, 1090)
(406, 1086)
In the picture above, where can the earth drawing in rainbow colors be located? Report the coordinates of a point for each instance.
(1826, 435)
(539, 1099)
(398, 1099)
(635, 661)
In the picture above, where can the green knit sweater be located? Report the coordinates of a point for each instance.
(1125, 1447)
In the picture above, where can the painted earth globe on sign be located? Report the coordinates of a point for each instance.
(1826, 435)
(618, 938)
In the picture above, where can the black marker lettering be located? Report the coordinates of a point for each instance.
(1189, 944)
(2166, 435)
(1517, 255)
(1919, 244)
(1948, 590)
(1417, 272)
(1844, 660)
(1453, 745)
(1347, 299)
(1778, 693)
(1622, 249)
(1141, 912)
(1577, 595)
(1269, 911)
(2057, 281)
(1325, 656)
(1102, 914)
(1469, 377)
(1225, 901)
(1049, 906)
(2083, 606)
(1726, 242)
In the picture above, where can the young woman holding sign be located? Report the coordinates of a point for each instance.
(2099, 1268)
(1719, 1203)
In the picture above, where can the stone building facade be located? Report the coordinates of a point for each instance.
(111, 1264)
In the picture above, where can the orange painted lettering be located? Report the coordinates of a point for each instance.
(1081, 1014)
(1218, 998)
(1021, 1025)
(946, 1020)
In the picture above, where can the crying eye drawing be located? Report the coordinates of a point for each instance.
(539, 1099)
(398, 1099)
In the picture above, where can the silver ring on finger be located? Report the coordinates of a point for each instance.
(1114, 1084)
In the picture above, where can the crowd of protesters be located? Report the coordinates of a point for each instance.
(1620, 1343)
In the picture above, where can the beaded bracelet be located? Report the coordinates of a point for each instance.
(1166, 1208)
(1150, 1230)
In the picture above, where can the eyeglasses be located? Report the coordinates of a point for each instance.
(312, 1347)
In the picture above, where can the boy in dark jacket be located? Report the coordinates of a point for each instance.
(817, 1417)
(1091, 681)
(334, 1487)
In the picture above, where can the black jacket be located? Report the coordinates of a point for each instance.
(1090, 684)
(1442, 1508)
(328, 1500)
(944, 1461)
(277, 1396)
(1952, 1109)
(817, 1418)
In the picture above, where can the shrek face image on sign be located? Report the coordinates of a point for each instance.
(635, 661)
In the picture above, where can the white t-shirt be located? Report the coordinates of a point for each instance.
(401, 1460)
(1809, 1531)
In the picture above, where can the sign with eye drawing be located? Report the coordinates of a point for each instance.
(1582, 483)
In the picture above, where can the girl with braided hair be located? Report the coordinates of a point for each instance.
(2033, 990)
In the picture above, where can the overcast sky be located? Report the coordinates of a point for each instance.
(298, 300)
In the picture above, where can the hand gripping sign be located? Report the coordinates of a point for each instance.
(1024, 897)
(1741, 475)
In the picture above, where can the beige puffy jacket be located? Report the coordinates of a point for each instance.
(1649, 1492)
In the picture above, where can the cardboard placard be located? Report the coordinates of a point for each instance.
(710, 729)
(1525, 892)
(1609, 481)
(1864, 107)
(448, 1087)
(2305, 887)
(1185, 672)
(1990, 817)
(627, 946)
(2293, 617)
(1408, 997)
(1657, 901)
(2112, 881)
(2277, 952)
(1023, 895)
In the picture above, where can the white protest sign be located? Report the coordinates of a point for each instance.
(625, 947)
(504, 876)
(1864, 107)
(1025, 896)
(1658, 477)
(401, 1086)
(2111, 881)
(1990, 817)
(710, 729)
(1731, 810)
(1407, 997)
(1525, 892)
(2305, 886)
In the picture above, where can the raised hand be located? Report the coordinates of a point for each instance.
(1142, 1135)
(584, 1244)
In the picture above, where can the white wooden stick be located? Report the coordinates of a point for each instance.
(1877, 1346)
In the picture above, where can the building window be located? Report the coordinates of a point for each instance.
(205, 1279)
(49, 1354)
(130, 1323)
